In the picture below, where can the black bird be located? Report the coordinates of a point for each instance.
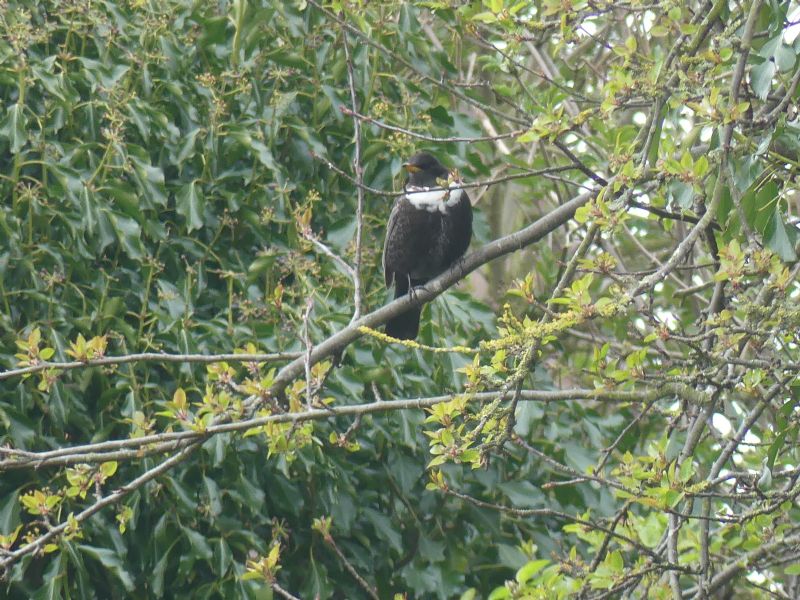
(429, 229)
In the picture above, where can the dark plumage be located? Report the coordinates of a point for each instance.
(427, 232)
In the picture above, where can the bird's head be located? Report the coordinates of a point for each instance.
(423, 170)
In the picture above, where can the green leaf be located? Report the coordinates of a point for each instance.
(190, 204)
(659, 31)
(770, 47)
(384, 529)
(522, 494)
(440, 115)
(500, 593)
(511, 556)
(224, 557)
(128, 234)
(785, 58)
(651, 530)
(260, 150)
(529, 136)
(14, 127)
(793, 569)
(761, 78)
(187, 147)
(686, 471)
(111, 561)
(484, 17)
(701, 166)
(159, 573)
(759, 205)
(682, 194)
(779, 239)
(199, 544)
(53, 588)
(150, 180)
(531, 569)
(214, 496)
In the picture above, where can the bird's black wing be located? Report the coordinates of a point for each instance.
(410, 238)
(459, 229)
(391, 235)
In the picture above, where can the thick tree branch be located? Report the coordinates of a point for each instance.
(133, 448)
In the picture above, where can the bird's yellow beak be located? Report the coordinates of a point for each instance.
(411, 168)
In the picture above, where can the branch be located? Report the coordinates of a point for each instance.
(163, 442)
(465, 185)
(371, 590)
(342, 263)
(149, 357)
(579, 165)
(429, 138)
(665, 214)
(742, 562)
(282, 592)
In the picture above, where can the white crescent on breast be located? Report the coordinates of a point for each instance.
(434, 199)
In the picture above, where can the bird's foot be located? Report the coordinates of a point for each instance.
(414, 289)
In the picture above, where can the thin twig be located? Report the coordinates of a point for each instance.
(466, 185)
(307, 356)
(430, 138)
(359, 171)
(282, 592)
(579, 164)
(324, 249)
(608, 450)
(371, 590)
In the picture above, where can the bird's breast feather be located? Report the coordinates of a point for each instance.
(434, 199)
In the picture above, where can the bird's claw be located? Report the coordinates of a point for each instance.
(412, 291)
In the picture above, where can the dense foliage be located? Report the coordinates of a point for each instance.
(195, 195)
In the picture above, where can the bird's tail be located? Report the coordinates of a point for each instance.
(404, 326)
